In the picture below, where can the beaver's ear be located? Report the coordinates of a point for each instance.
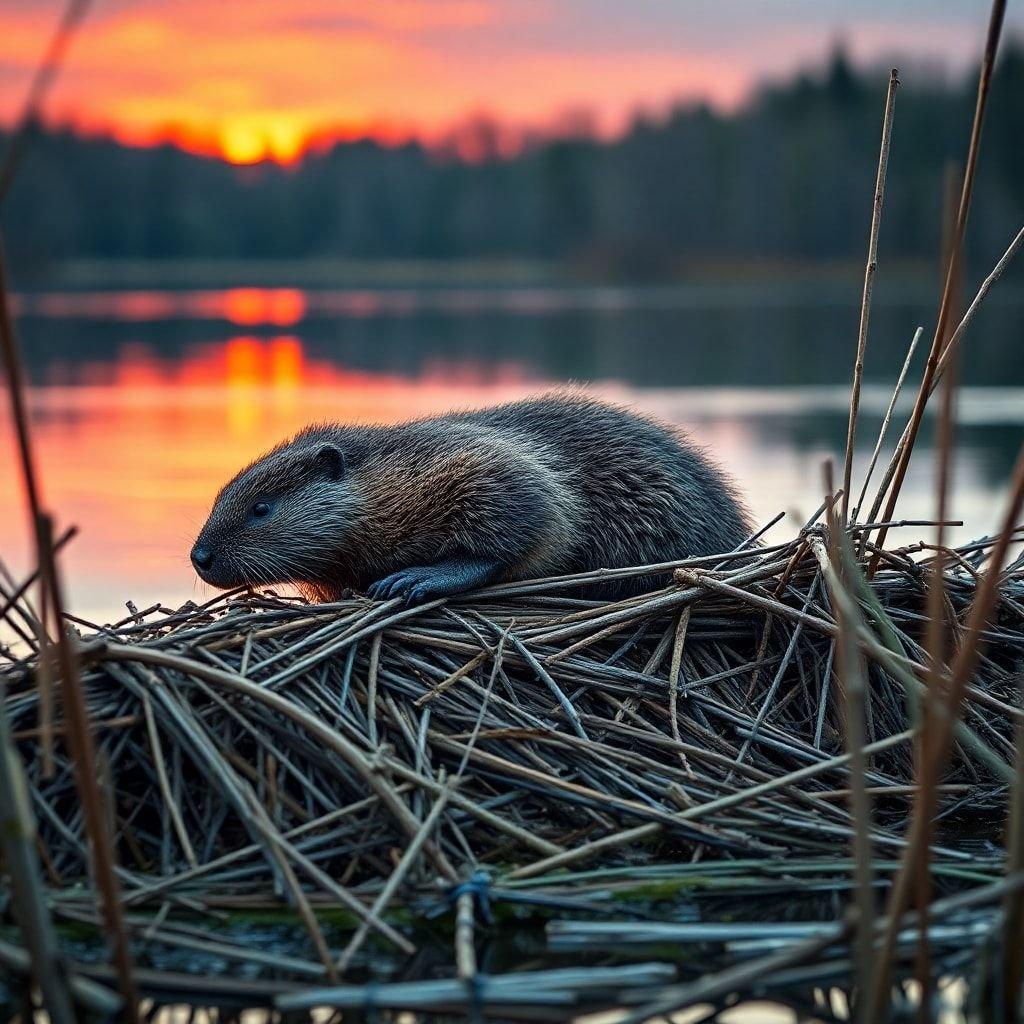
(329, 462)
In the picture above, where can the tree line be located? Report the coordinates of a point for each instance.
(788, 177)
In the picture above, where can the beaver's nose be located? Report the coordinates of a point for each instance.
(202, 557)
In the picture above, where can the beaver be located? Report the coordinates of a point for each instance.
(551, 485)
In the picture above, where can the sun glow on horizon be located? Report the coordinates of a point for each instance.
(243, 144)
(250, 139)
(243, 140)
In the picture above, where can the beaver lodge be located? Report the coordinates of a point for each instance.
(396, 774)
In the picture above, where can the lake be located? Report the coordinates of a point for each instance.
(145, 401)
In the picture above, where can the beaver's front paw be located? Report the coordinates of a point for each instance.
(416, 585)
(421, 583)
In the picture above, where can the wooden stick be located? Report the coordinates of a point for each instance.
(885, 427)
(869, 284)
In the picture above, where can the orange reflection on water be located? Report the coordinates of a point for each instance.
(259, 372)
(246, 307)
(282, 307)
(244, 358)
(286, 363)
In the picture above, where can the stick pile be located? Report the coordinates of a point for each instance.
(507, 747)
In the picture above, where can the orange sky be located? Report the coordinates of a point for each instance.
(262, 77)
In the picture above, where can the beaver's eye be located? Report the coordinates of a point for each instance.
(261, 510)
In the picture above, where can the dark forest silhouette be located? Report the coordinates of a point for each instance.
(786, 178)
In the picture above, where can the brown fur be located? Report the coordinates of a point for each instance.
(556, 484)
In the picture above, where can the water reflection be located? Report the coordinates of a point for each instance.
(145, 402)
(778, 335)
(280, 307)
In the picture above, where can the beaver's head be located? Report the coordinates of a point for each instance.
(280, 520)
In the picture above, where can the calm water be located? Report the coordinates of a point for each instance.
(144, 402)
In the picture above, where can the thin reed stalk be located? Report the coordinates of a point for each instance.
(869, 283)
(902, 459)
(943, 711)
(936, 645)
(883, 430)
(851, 678)
(74, 706)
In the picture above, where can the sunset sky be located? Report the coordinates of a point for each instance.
(262, 77)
